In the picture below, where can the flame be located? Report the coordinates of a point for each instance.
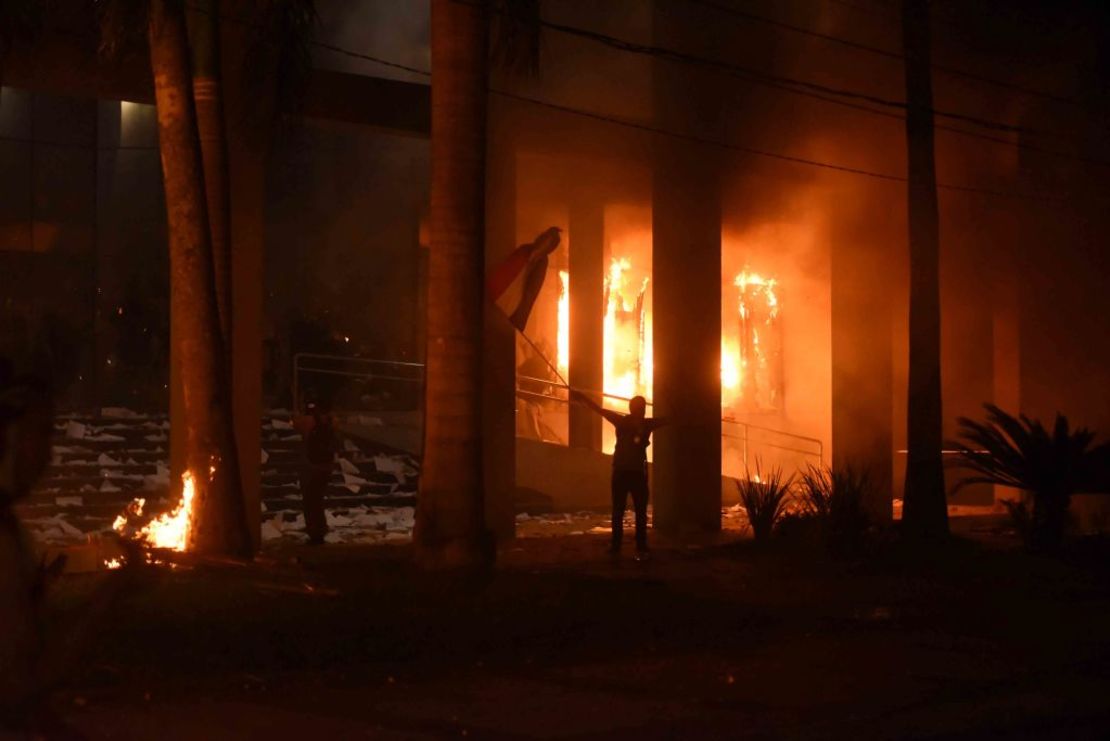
(170, 530)
(758, 346)
(626, 349)
(730, 370)
(563, 334)
(113, 563)
(748, 356)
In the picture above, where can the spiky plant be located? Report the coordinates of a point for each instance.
(765, 498)
(1048, 466)
(837, 498)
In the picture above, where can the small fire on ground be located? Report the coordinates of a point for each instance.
(169, 531)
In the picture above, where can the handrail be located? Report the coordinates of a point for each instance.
(820, 451)
(355, 359)
(298, 368)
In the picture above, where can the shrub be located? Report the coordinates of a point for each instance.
(765, 498)
(1047, 466)
(838, 500)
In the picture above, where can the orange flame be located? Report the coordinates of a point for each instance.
(170, 530)
(563, 334)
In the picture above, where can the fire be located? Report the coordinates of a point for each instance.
(730, 370)
(563, 334)
(750, 342)
(170, 530)
(758, 350)
(626, 334)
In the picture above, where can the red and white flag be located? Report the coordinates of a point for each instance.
(515, 283)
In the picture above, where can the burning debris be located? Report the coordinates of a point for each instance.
(169, 531)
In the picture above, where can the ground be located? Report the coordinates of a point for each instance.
(964, 640)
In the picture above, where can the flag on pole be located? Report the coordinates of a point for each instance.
(514, 284)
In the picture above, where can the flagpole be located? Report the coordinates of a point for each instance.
(544, 358)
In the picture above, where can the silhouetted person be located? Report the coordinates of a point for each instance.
(26, 418)
(629, 465)
(320, 446)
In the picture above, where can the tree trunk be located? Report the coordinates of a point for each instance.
(450, 529)
(925, 512)
(204, 41)
(219, 525)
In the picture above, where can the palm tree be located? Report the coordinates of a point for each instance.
(1048, 466)
(204, 42)
(925, 513)
(450, 524)
(219, 518)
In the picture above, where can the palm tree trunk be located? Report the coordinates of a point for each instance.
(450, 528)
(204, 41)
(925, 512)
(219, 524)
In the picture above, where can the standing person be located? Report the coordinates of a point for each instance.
(629, 466)
(320, 445)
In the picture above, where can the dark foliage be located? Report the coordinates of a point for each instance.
(517, 35)
(20, 20)
(837, 499)
(1048, 466)
(765, 497)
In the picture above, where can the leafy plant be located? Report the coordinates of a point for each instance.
(765, 498)
(838, 499)
(1047, 465)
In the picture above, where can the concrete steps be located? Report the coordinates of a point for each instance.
(102, 462)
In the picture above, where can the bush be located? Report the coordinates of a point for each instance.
(1048, 467)
(838, 500)
(765, 499)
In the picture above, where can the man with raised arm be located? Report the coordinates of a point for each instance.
(629, 465)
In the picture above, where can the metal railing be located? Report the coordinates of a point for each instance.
(763, 437)
(367, 372)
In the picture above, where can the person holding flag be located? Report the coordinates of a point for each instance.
(630, 476)
(514, 286)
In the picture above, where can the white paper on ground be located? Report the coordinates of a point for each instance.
(119, 413)
(270, 531)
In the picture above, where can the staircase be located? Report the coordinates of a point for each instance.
(102, 462)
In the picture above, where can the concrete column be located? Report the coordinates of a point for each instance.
(586, 235)
(499, 351)
(686, 281)
(862, 359)
(686, 299)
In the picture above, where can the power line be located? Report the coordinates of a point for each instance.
(816, 91)
(769, 83)
(761, 77)
(848, 43)
(709, 142)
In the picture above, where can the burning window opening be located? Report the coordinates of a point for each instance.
(759, 347)
(751, 343)
(626, 340)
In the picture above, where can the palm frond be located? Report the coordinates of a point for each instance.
(123, 26)
(764, 497)
(517, 34)
(1023, 453)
